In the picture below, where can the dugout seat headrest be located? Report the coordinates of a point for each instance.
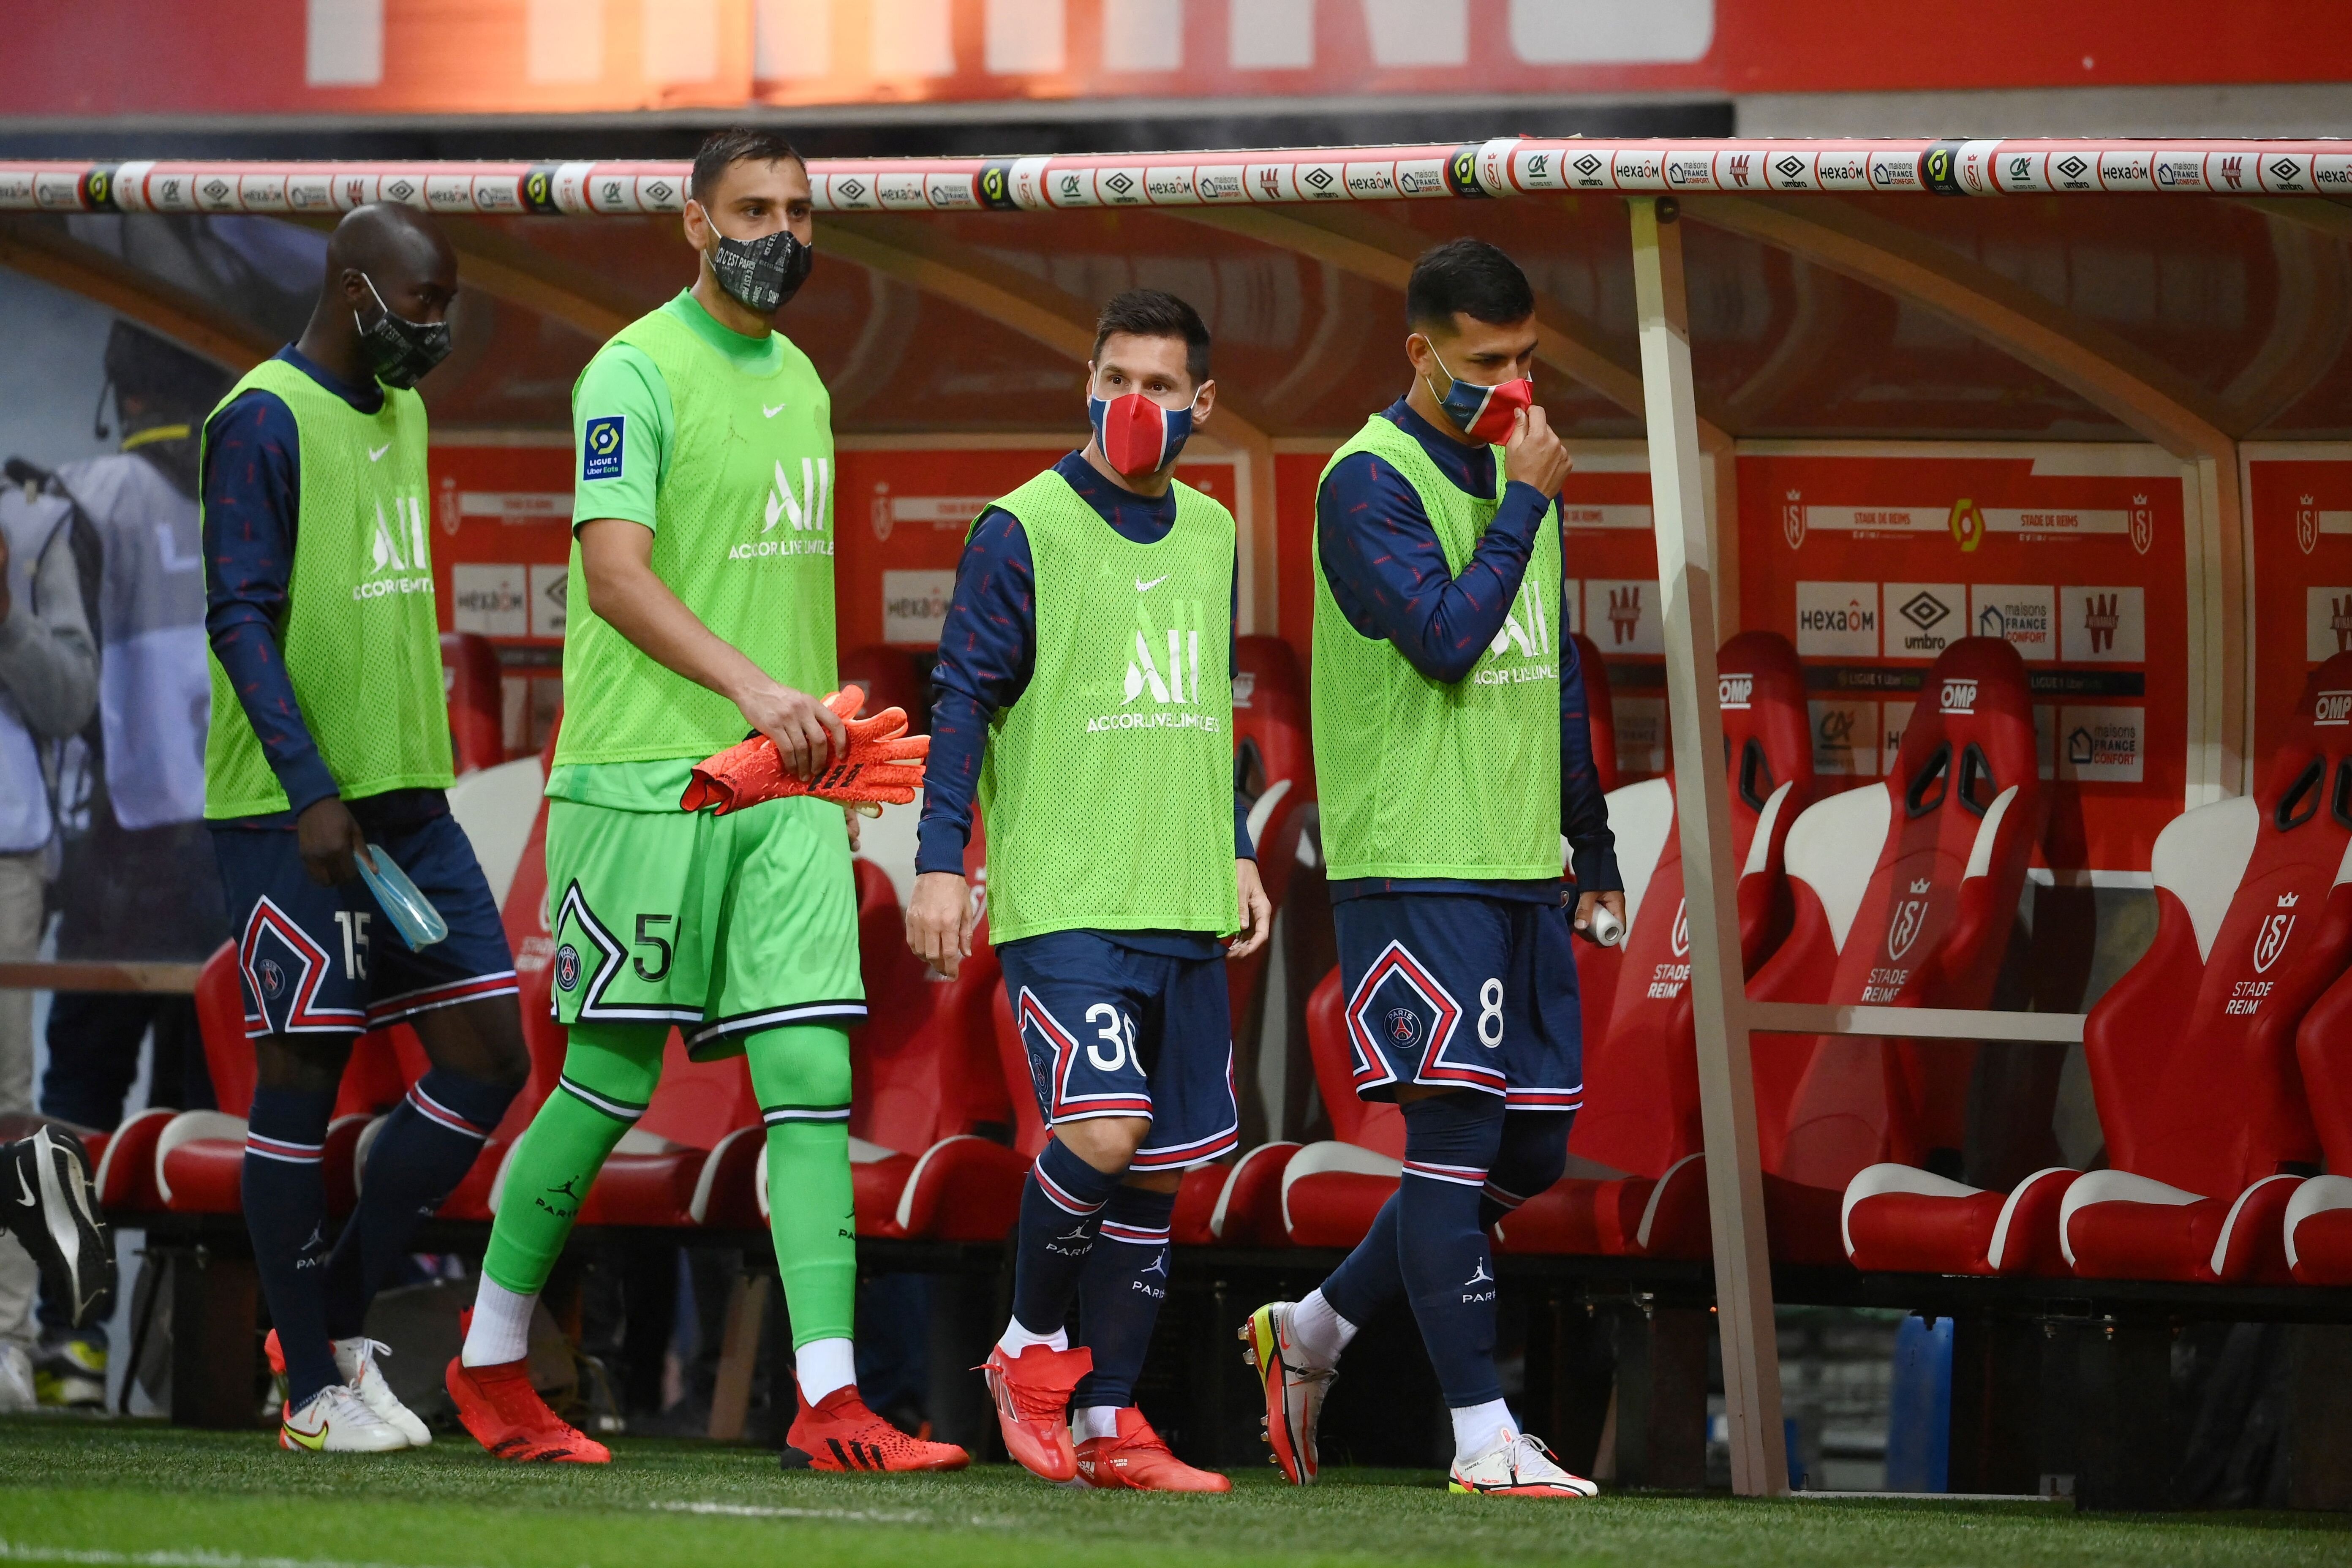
(1767, 731)
(1970, 733)
(1600, 709)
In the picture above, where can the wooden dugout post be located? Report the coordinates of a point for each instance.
(1734, 1181)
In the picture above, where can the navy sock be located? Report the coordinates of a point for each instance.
(1060, 1208)
(1121, 1291)
(1450, 1142)
(1371, 1277)
(422, 1153)
(284, 1195)
(1533, 1154)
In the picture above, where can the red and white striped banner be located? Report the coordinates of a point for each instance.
(1506, 167)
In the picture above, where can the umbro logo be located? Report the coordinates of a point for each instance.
(375, 454)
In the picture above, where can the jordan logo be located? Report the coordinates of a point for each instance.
(1478, 1276)
(565, 1189)
(1159, 1264)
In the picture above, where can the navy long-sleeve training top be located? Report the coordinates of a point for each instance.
(988, 651)
(1389, 575)
(252, 490)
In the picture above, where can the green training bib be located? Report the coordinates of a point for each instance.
(742, 535)
(359, 637)
(1107, 789)
(1420, 778)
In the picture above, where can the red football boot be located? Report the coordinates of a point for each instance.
(1137, 1460)
(506, 1415)
(838, 1433)
(1032, 1391)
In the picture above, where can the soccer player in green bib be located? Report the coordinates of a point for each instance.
(1454, 754)
(1085, 696)
(329, 740)
(701, 606)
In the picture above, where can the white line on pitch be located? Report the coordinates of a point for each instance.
(855, 1515)
(27, 1551)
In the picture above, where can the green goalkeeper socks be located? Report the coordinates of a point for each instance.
(609, 1074)
(802, 1077)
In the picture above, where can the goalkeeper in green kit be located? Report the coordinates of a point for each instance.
(701, 606)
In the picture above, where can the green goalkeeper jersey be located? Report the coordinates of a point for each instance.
(722, 445)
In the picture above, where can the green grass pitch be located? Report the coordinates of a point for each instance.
(129, 1495)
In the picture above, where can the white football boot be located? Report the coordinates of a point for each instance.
(335, 1422)
(1516, 1465)
(1294, 1388)
(355, 1358)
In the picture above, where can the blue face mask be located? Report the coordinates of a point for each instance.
(1137, 436)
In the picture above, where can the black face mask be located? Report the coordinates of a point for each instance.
(763, 274)
(399, 351)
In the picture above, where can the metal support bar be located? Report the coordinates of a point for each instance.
(1916, 1023)
(1735, 1178)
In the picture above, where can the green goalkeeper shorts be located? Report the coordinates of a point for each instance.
(721, 925)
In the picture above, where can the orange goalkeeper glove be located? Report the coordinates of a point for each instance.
(880, 763)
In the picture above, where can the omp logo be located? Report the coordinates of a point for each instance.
(1733, 691)
(1958, 697)
(2332, 707)
(2100, 619)
(2270, 939)
(1625, 612)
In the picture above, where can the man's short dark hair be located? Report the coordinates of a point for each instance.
(1151, 313)
(1471, 276)
(723, 149)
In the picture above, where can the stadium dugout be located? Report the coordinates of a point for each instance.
(2037, 454)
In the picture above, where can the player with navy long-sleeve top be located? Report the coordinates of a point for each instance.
(1448, 705)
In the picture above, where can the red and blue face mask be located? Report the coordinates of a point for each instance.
(1484, 413)
(1137, 436)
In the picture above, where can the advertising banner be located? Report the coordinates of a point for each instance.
(1874, 560)
(2298, 573)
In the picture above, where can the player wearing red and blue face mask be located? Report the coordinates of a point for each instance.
(1453, 750)
(1085, 697)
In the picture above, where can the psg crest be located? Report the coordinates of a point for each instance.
(567, 966)
(1404, 1025)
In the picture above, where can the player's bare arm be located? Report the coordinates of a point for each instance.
(623, 591)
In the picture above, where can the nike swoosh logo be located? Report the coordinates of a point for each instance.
(1143, 587)
(771, 412)
(27, 1188)
(317, 1445)
(375, 454)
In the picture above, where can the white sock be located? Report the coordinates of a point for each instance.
(1017, 1338)
(1319, 1330)
(1475, 1426)
(502, 1331)
(1095, 1421)
(823, 1365)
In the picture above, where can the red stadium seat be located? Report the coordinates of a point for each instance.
(1326, 1193)
(2318, 1231)
(1927, 866)
(1274, 760)
(476, 688)
(1600, 709)
(2192, 1061)
(1641, 1113)
(2193, 1054)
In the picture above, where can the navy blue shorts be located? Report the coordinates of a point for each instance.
(325, 961)
(1114, 1032)
(1456, 991)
